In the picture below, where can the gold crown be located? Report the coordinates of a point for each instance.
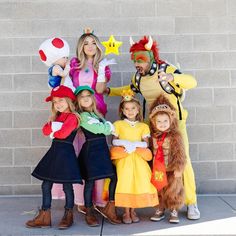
(88, 30)
(127, 95)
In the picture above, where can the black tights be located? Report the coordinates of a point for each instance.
(88, 190)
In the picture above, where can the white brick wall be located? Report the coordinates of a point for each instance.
(200, 35)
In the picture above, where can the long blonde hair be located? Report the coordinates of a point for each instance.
(93, 107)
(81, 54)
(71, 106)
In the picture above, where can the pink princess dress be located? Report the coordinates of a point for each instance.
(88, 77)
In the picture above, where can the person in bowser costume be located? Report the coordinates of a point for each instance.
(54, 53)
(153, 78)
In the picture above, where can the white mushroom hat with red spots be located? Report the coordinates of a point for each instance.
(53, 49)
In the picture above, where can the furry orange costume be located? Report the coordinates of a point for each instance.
(172, 195)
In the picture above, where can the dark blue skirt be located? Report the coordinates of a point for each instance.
(59, 165)
(94, 159)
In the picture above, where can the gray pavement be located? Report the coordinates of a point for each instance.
(218, 217)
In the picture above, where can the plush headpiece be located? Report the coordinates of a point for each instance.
(162, 104)
(53, 49)
(145, 44)
(61, 92)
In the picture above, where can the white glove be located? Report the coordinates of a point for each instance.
(67, 69)
(112, 128)
(51, 135)
(120, 142)
(93, 120)
(56, 126)
(101, 69)
(140, 144)
(129, 146)
(68, 83)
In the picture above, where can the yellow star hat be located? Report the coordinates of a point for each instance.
(112, 46)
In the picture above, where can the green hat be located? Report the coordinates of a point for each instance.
(82, 88)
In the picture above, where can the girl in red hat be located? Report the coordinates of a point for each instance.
(59, 164)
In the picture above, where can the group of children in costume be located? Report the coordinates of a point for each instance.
(79, 158)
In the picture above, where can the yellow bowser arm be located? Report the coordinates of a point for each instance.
(117, 91)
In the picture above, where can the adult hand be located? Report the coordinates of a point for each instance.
(162, 76)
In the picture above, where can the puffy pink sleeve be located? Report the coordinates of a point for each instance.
(108, 73)
(74, 64)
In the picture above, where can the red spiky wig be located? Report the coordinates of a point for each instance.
(140, 46)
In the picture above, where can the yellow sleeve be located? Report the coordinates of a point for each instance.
(116, 132)
(145, 131)
(117, 91)
(184, 81)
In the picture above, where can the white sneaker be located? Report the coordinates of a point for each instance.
(193, 212)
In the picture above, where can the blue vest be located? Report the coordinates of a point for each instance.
(53, 81)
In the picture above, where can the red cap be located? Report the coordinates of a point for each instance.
(61, 92)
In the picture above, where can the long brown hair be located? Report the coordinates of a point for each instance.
(71, 106)
(93, 107)
(138, 117)
(81, 54)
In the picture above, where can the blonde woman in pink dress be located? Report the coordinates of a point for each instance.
(88, 68)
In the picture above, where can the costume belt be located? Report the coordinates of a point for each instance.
(62, 141)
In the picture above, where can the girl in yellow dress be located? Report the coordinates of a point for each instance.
(130, 154)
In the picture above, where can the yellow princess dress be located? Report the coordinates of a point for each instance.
(134, 188)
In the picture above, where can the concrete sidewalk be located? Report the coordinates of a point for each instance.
(218, 217)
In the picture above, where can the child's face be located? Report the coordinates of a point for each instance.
(60, 104)
(90, 47)
(85, 99)
(61, 62)
(162, 122)
(130, 110)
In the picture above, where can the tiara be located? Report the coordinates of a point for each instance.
(87, 31)
(127, 95)
(163, 108)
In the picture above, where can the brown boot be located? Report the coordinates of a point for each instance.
(109, 212)
(67, 219)
(42, 220)
(90, 217)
